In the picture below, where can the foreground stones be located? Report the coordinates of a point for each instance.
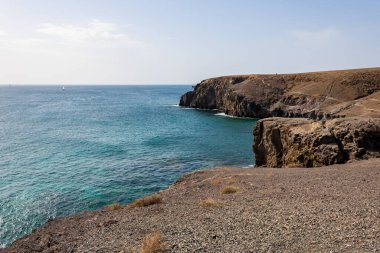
(282, 142)
(326, 209)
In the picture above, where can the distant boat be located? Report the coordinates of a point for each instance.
(63, 88)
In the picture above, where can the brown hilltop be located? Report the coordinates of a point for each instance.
(344, 103)
(313, 95)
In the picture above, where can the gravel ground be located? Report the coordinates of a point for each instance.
(328, 209)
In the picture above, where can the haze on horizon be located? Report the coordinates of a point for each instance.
(181, 42)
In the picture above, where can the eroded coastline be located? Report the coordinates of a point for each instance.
(326, 118)
(308, 119)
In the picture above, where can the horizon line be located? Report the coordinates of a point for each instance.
(93, 84)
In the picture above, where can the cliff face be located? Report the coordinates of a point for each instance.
(322, 97)
(282, 142)
(315, 95)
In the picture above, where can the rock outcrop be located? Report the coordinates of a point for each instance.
(283, 142)
(307, 129)
(316, 95)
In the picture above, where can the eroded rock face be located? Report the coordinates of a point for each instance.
(283, 142)
(318, 95)
(317, 102)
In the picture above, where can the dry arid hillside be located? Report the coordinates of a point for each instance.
(314, 95)
(310, 119)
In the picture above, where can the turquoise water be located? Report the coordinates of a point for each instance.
(62, 152)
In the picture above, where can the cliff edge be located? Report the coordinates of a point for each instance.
(282, 142)
(314, 95)
(325, 118)
(311, 119)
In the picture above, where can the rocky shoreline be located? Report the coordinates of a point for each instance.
(283, 142)
(325, 209)
(315, 95)
(308, 120)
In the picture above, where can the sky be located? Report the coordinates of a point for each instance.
(181, 41)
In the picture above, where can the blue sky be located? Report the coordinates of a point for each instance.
(181, 41)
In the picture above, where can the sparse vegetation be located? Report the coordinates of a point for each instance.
(229, 189)
(152, 243)
(113, 207)
(218, 181)
(210, 202)
(147, 201)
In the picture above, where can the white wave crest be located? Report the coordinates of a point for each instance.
(222, 114)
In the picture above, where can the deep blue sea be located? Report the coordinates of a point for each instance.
(62, 152)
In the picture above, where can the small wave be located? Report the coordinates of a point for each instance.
(222, 114)
(199, 109)
(249, 166)
(192, 108)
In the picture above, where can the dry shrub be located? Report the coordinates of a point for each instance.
(294, 165)
(147, 201)
(210, 202)
(113, 207)
(229, 189)
(152, 243)
(227, 180)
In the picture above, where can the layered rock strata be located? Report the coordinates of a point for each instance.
(307, 129)
(282, 142)
(316, 95)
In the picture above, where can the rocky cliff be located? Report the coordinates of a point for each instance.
(307, 129)
(315, 95)
(282, 142)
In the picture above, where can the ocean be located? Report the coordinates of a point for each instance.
(85, 147)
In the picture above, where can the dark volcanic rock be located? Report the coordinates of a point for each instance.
(282, 142)
(186, 98)
(321, 96)
(315, 95)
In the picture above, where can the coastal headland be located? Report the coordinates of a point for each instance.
(326, 120)
(308, 119)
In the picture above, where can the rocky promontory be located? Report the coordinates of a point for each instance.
(282, 142)
(311, 119)
(314, 95)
